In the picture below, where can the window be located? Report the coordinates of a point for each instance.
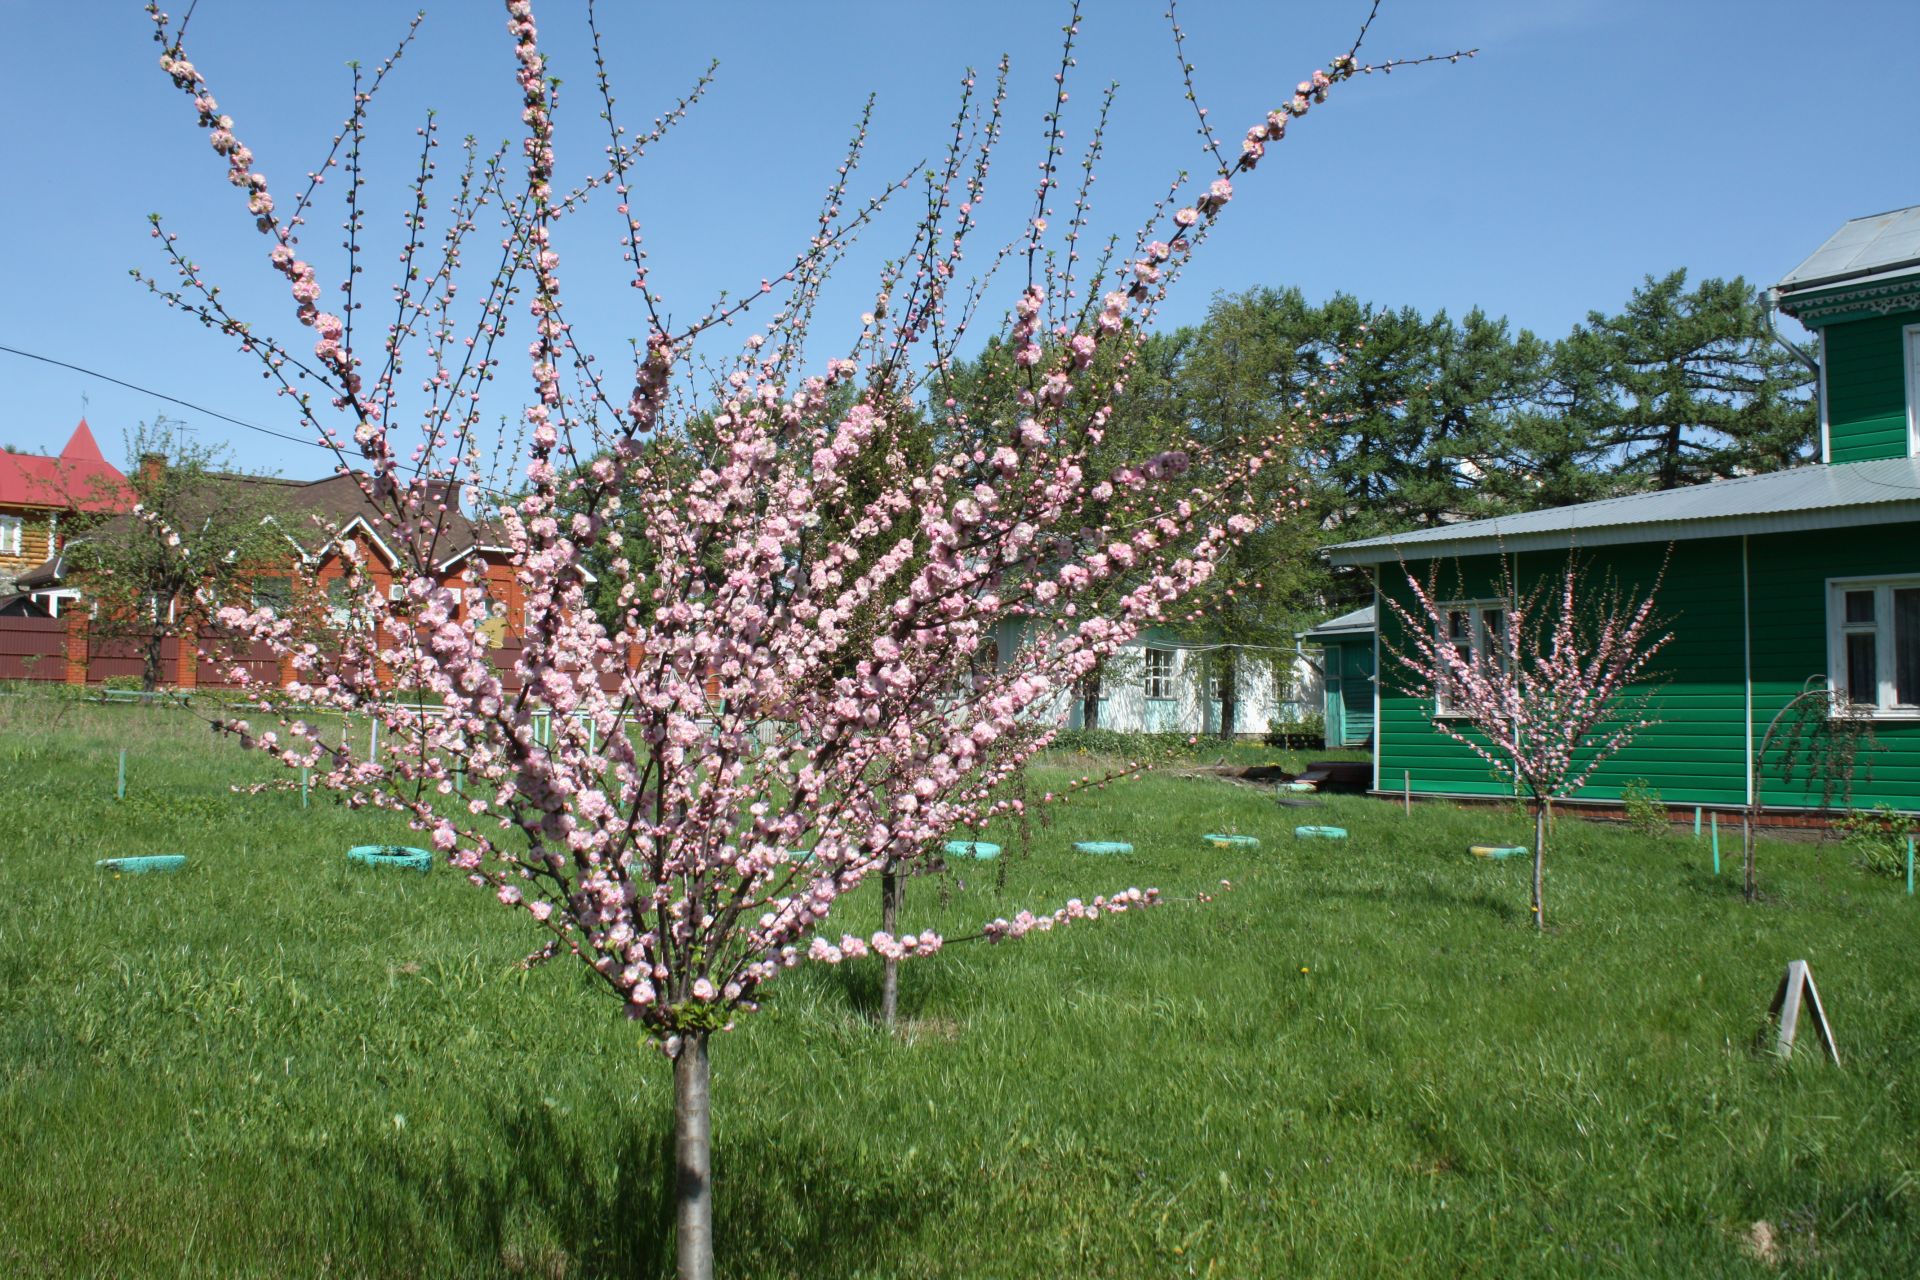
(12, 535)
(1873, 645)
(1160, 673)
(1476, 630)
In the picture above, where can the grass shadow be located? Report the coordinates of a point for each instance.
(570, 1203)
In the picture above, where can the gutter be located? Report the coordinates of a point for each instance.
(1772, 297)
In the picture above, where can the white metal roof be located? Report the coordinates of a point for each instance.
(1874, 245)
(1359, 622)
(1817, 497)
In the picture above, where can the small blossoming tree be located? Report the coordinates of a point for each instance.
(756, 708)
(1558, 685)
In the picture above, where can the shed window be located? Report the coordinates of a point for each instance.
(1160, 673)
(1475, 630)
(12, 530)
(1873, 645)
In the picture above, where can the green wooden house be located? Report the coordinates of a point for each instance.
(1774, 580)
(1347, 653)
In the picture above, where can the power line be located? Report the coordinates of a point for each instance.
(161, 395)
(197, 408)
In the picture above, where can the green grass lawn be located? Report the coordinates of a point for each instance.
(1361, 1060)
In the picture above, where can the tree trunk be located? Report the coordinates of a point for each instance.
(892, 892)
(693, 1158)
(1539, 864)
(150, 670)
(1229, 700)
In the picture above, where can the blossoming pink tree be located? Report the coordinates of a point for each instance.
(1559, 688)
(680, 798)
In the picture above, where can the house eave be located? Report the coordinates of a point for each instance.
(1492, 543)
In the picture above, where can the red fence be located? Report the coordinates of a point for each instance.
(72, 649)
(33, 649)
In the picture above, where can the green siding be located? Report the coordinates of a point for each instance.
(1692, 756)
(1867, 388)
(1697, 753)
(1790, 573)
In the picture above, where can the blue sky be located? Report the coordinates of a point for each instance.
(1588, 145)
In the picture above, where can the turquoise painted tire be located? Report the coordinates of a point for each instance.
(1498, 850)
(984, 850)
(1320, 833)
(1232, 842)
(142, 865)
(396, 856)
(1103, 846)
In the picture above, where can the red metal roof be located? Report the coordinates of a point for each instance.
(80, 479)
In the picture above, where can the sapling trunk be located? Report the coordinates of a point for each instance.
(693, 1159)
(892, 889)
(1752, 886)
(1539, 864)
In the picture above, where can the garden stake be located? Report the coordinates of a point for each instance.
(303, 788)
(120, 787)
(373, 742)
(1909, 866)
(1696, 822)
(1407, 791)
(1716, 844)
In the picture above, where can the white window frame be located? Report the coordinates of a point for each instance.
(1910, 348)
(13, 535)
(1158, 684)
(1478, 642)
(1884, 706)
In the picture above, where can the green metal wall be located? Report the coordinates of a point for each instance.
(1790, 573)
(1696, 754)
(1867, 388)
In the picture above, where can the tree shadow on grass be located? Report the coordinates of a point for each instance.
(1432, 895)
(605, 1203)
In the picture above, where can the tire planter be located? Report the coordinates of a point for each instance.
(399, 857)
(1232, 842)
(1103, 846)
(143, 865)
(1319, 833)
(1498, 850)
(984, 850)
